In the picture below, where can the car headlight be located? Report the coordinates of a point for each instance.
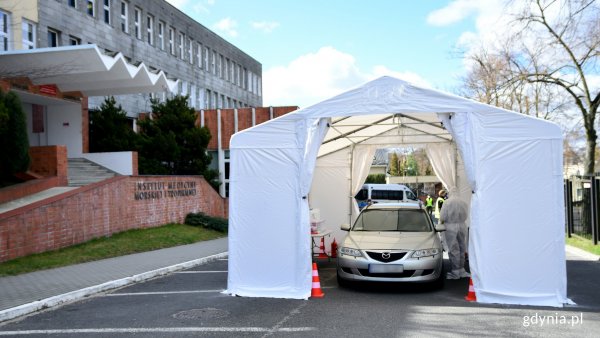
(425, 253)
(350, 252)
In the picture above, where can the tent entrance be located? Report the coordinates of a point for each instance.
(346, 154)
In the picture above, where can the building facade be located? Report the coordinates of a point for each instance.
(211, 71)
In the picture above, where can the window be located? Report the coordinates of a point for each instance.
(125, 16)
(208, 100)
(191, 51)
(206, 54)
(74, 41)
(171, 42)
(150, 30)
(53, 37)
(4, 31)
(245, 79)
(72, 3)
(221, 66)
(214, 62)
(199, 56)
(137, 22)
(107, 11)
(161, 35)
(226, 69)
(181, 45)
(90, 7)
(239, 77)
(28, 35)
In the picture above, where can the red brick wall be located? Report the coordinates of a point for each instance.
(134, 164)
(227, 126)
(102, 209)
(16, 191)
(279, 111)
(262, 114)
(244, 118)
(49, 161)
(210, 122)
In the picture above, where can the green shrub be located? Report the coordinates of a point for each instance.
(205, 221)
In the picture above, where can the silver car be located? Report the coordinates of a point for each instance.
(392, 243)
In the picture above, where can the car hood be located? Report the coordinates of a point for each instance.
(371, 240)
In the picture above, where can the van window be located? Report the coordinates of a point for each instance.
(362, 195)
(387, 194)
(411, 196)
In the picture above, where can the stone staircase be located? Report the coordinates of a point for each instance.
(83, 172)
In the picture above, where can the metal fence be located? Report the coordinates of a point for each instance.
(582, 209)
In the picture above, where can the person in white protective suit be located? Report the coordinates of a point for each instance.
(454, 215)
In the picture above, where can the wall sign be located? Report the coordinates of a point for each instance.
(146, 190)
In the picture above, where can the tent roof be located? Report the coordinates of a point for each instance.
(84, 69)
(388, 107)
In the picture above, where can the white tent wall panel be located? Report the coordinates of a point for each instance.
(267, 243)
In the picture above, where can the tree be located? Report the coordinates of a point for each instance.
(565, 55)
(172, 144)
(408, 166)
(110, 129)
(491, 80)
(394, 170)
(14, 141)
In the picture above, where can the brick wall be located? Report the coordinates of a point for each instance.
(101, 209)
(244, 117)
(49, 161)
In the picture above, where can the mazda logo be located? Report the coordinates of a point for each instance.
(385, 255)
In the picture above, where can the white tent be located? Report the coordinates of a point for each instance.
(507, 164)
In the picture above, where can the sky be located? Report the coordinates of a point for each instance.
(311, 50)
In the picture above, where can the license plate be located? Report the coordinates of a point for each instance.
(386, 268)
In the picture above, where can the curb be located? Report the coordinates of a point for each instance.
(582, 253)
(68, 297)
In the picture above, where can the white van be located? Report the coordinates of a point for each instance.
(384, 193)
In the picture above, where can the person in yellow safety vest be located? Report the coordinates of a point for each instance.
(439, 202)
(429, 205)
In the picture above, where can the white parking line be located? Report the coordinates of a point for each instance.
(200, 271)
(159, 329)
(161, 293)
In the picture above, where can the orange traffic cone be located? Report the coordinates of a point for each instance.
(471, 297)
(322, 254)
(316, 283)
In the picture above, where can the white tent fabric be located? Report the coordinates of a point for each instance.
(512, 165)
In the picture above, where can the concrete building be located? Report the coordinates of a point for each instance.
(213, 72)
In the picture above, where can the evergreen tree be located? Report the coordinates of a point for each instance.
(394, 170)
(172, 144)
(110, 129)
(14, 141)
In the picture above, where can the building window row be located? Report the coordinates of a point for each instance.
(214, 100)
(206, 59)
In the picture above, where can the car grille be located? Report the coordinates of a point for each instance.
(378, 256)
(406, 273)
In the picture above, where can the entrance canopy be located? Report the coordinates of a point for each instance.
(84, 69)
(506, 164)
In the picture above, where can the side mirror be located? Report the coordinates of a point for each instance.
(440, 228)
(346, 227)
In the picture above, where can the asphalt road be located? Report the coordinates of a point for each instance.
(190, 304)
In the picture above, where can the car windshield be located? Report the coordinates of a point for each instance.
(408, 220)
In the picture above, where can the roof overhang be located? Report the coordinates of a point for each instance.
(84, 69)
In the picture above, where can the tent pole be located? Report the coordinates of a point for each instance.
(351, 185)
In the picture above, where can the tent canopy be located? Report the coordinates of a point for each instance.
(506, 164)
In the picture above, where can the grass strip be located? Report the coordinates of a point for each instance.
(584, 244)
(119, 244)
